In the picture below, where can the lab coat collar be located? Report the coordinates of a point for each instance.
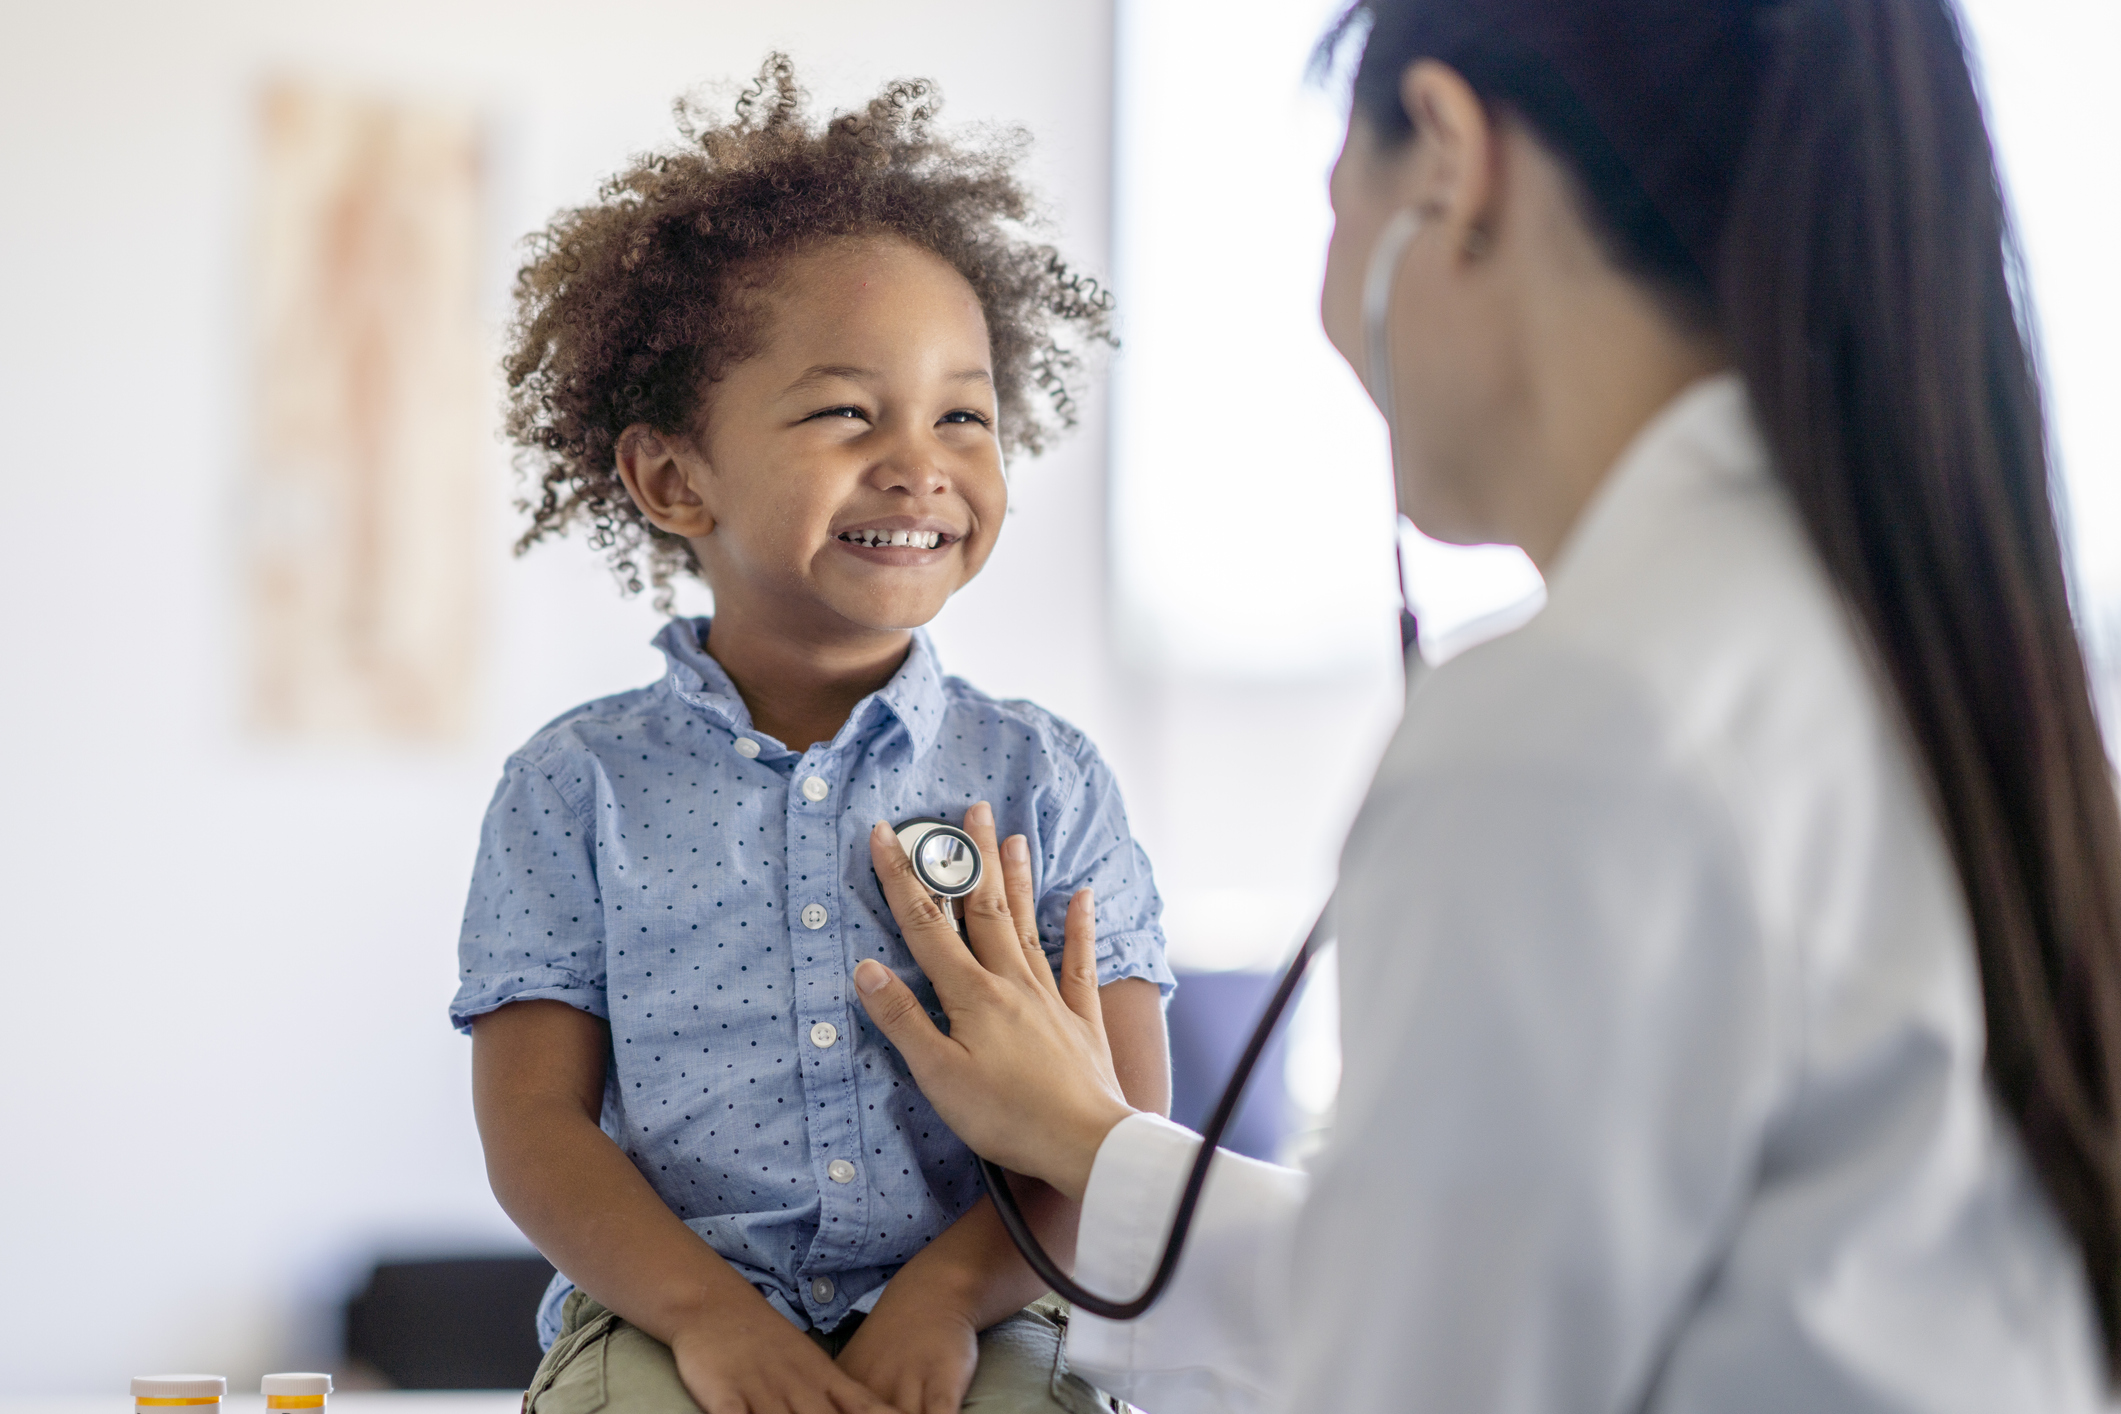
(1706, 437)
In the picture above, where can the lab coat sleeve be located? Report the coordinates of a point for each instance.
(1209, 1346)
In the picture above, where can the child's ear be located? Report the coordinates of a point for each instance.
(657, 470)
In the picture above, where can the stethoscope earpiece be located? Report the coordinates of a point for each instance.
(1379, 276)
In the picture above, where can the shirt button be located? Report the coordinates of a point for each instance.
(821, 1290)
(814, 915)
(815, 788)
(822, 1035)
(746, 747)
(840, 1171)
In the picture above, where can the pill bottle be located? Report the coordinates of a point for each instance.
(295, 1391)
(201, 1392)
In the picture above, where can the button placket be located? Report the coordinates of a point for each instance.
(827, 1068)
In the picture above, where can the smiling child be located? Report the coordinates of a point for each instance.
(788, 359)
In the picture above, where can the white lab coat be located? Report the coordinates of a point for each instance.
(1661, 1028)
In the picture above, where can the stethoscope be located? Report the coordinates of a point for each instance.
(948, 865)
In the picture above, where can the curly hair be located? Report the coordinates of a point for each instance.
(627, 309)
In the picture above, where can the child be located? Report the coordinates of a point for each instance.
(788, 360)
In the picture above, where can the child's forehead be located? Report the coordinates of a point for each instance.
(831, 271)
(879, 292)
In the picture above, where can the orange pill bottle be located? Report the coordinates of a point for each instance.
(295, 1391)
(195, 1392)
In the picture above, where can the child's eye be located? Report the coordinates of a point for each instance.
(850, 412)
(965, 415)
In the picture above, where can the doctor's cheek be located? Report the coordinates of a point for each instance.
(1339, 301)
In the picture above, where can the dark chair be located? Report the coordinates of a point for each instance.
(455, 1323)
(1211, 1017)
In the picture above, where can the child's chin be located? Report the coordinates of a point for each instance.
(896, 617)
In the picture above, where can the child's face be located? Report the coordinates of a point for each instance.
(848, 476)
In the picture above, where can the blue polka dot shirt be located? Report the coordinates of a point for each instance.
(653, 860)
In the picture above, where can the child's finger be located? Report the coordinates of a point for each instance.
(1023, 905)
(851, 1396)
(718, 1397)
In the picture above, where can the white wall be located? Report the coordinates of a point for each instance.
(230, 1078)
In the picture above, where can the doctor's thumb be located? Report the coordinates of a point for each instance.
(896, 1011)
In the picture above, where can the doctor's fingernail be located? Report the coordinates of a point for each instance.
(871, 975)
(981, 810)
(1016, 849)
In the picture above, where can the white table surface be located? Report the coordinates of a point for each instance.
(119, 1401)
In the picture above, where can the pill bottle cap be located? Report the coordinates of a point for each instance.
(179, 1386)
(295, 1384)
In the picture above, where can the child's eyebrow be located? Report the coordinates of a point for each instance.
(831, 372)
(841, 372)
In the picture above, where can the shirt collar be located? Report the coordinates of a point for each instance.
(1705, 439)
(914, 696)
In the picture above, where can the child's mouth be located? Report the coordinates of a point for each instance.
(895, 539)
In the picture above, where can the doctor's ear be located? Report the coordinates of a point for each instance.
(660, 472)
(1453, 173)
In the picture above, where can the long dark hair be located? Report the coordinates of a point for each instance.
(1814, 178)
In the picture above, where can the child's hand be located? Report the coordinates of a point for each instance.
(920, 1360)
(745, 1362)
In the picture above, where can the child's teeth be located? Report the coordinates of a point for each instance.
(916, 539)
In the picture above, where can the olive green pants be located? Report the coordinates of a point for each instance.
(600, 1362)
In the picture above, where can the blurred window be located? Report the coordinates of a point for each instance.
(1252, 508)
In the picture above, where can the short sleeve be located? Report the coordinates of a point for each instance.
(534, 922)
(1088, 842)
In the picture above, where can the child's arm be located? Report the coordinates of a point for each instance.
(537, 1089)
(918, 1346)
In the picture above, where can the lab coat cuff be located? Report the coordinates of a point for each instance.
(1127, 1207)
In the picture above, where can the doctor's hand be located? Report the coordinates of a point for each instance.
(1025, 1076)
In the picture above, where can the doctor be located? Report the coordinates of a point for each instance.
(1731, 958)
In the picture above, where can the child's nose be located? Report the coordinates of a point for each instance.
(907, 469)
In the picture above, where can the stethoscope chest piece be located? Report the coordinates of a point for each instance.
(945, 859)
